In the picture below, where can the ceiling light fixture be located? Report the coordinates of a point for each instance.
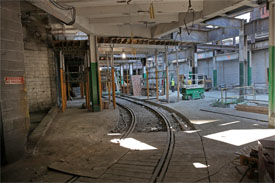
(123, 55)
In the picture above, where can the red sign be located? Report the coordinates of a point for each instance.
(14, 80)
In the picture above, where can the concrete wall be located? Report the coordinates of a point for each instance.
(205, 67)
(260, 63)
(228, 72)
(39, 61)
(40, 75)
(14, 106)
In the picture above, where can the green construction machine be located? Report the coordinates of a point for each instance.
(192, 88)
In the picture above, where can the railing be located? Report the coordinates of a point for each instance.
(239, 94)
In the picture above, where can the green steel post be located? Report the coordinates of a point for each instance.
(249, 70)
(94, 88)
(215, 76)
(94, 80)
(272, 65)
(272, 86)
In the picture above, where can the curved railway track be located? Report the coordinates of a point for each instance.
(133, 121)
(163, 164)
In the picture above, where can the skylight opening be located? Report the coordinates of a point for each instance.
(245, 16)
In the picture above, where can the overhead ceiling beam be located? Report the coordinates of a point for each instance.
(196, 36)
(81, 23)
(254, 27)
(123, 30)
(225, 22)
(217, 47)
(135, 9)
(222, 33)
(211, 9)
(138, 19)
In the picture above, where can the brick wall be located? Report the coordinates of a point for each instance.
(40, 75)
(14, 106)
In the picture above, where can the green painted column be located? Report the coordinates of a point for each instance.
(121, 74)
(241, 66)
(215, 79)
(94, 82)
(249, 68)
(272, 65)
(215, 72)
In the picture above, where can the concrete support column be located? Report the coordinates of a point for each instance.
(14, 108)
(215, 73)
(156, 70)
(242, 60)
(113, 78)
(94, 79)
(131, 69)
(167, 75)
(272, 65)
(195, 65)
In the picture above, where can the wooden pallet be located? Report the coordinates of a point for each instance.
(254, 109)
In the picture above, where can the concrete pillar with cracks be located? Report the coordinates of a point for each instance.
(195, 65)
(242, 60)
(131, 69)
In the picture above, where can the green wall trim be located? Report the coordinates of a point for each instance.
(272, 81)
(249, 71)
(215, 79)
(144, 75)
(241, 98)
(94, 88)
(241, 73)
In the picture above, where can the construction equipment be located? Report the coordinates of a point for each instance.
(192, 87)
(207, 82)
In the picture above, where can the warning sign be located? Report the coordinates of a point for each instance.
(14, 80)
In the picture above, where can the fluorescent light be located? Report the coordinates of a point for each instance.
(123, 55)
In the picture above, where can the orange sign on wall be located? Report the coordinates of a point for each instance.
(14, 80)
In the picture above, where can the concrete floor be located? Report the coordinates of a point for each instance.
(78, 140)
(72, 132)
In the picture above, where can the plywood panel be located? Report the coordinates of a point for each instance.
(136, 81)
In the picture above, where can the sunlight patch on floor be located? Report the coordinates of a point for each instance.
(241, 137)
(114, 134)
(191, 131)
(230, 123)
(200, 122)
(133, 144)
(200, 165)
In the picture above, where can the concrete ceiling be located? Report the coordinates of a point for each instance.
(117, 18)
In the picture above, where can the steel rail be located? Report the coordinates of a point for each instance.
(133, 121)
(163, 164)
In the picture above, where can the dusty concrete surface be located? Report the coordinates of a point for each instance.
(235, 133)
(77, 142)
(70, 132)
